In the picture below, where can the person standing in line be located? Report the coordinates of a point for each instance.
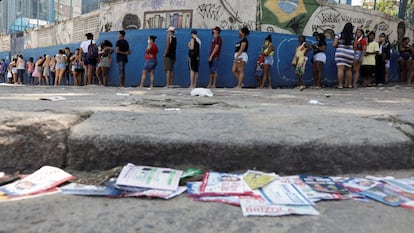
(60, 66)
(300, 59)
(122, 52)
(383, 56)
(13, 70)
(344, 55)
(319, 59)
(3, 70)
(39, 69)
(68, 71)
(268, 51)
(405, 61)
(170, 56)
(150, 61)
(46, 70)
(77, 67)
(52, 66)
(368, 63)
(360, 44)
(240, 56)
(194, 46)
(30, 66)
(214, 57)
(387, 49)
(21, 69)
(105, 60)
(84, 54)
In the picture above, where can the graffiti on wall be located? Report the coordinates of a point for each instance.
(329, 20)
(164, 19)
(288, 15)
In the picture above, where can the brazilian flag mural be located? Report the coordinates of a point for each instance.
(291, 15)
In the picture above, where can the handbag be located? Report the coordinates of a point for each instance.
(9, 74)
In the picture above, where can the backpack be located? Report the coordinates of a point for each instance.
(92, 52)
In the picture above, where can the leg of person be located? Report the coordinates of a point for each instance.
(152, 78)
(98, 74)
(409, 71)
(235, 70)
(240, 68)
(357, 67)
(319, 74)
(143, 77)
(210, 80)
(105, 71)
(341, 69)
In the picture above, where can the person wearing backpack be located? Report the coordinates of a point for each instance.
(89, 53)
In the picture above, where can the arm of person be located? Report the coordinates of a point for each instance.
(191, 44)
(335, 42)
(167, 46)
(216, 48)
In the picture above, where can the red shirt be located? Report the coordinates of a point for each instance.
(360, 43)
(216, 41)
(152, 52)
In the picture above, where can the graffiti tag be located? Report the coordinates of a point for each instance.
(210, 11)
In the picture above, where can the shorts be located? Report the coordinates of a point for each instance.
(105, 62)
(259, 73)
(168, 63)
(14, 70)
(21, 72)
(243, 56)
(60, 66)
(358, 55)
(387, 64)
(320, 57)
(268, 60)
(367, 71)
(150, 64)
(193, 64)
(121, 67)
(405, 56)
(213, 65)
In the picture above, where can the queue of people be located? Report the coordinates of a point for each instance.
(361, 60)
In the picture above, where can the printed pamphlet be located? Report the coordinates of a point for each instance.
(257, 179)
(257, 206)
(41, 180)
(284, 194)
(223, 184)
(323, 184)
(359, 184)
(387, 194)
(149, 177)
(89, 190)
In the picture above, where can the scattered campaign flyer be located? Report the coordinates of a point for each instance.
(193, 191)
(359, 184)
(408, 205)
(41, 180)
(406, 185)
(323, 184)
(258, 179)
(284, 194)
(89, 190)
(311, 194)
(6, 198)
(257, 206)
(164, 194)
(149, 177)
(223, 184)
(388, 195)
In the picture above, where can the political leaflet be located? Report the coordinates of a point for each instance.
(45, 178)
(359, 184)
(149, 177)
(323, 184)
(89, 190)
(223, 184)
(257, 206)
(258, 179)
(284, 194)
(388, 194)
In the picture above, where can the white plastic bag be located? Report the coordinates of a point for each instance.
(201, 92)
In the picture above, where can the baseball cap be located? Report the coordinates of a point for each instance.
(193, 31)
(382, 35)
(218, 29)
(171, 29)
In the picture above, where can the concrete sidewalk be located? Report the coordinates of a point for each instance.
(327, 131)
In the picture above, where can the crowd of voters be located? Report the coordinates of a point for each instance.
(361, 58)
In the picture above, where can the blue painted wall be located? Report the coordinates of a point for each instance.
(282, 72)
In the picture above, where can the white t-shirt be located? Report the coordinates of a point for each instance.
(84, 45)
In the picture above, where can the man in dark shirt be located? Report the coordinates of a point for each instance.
(122, 52)
(169, 56)
(214, 57)
(3, 70)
